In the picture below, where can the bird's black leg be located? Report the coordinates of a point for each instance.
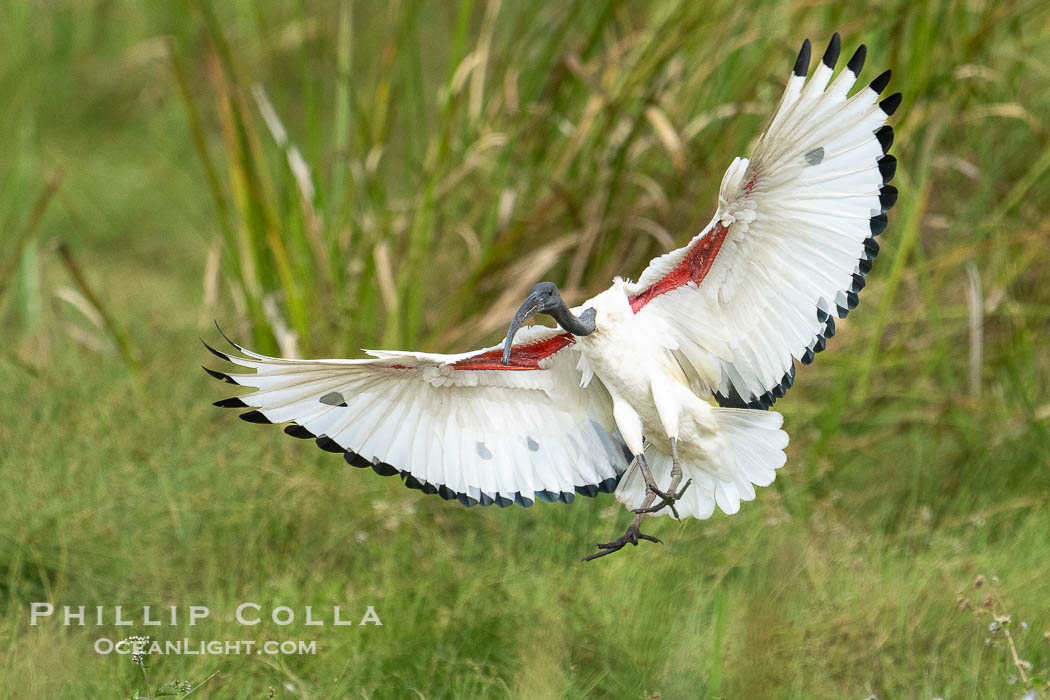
(676, 466)
(647, 474)
(667, 502)
(632, 536)
(670, 496)
(634, 533)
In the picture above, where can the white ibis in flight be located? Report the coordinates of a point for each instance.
(656, 390)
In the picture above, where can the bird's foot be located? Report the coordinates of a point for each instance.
(669, 499)
(632, 536)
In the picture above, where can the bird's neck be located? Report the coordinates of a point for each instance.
(577, 325)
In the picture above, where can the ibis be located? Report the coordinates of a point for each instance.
(657, 390)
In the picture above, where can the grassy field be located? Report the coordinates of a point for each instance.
(320, 179)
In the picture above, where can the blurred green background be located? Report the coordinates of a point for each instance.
(324, 175)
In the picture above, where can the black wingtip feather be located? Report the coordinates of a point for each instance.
(831, 56)
(888, 168)
(255, 417)
(885, 136)
(298, 431)
(802, 62)
(233, 402)
(213, 351)
(589, 490)
(887, 197)
(890, 104)
(467, 501)
(856, 64)
(356, 460)
(226, 337)
(734, 400)
(761, 403)
(881, 81)
(218, 375)
(329, 445)
(384, 469)
(878, 224)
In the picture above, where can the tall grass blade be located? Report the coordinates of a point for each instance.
(976, 302)
(116, 333)
(28, 230)
(341, 189)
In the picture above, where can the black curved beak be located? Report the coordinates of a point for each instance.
(527, 310)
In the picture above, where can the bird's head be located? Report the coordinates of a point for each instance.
(544, 298)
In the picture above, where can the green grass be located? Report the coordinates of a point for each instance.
(142, 194)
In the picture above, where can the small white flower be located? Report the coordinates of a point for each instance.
(138, 646)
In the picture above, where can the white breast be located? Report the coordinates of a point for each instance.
(626, 351)
(627, 354)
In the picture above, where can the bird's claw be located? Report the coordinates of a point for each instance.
(632, 536)
(669, 499)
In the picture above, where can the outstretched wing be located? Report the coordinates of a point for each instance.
(791, 242)
(463, 426)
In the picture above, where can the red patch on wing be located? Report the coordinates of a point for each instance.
(522, 357)
(693, 268)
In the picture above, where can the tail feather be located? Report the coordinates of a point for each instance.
(747, 451)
